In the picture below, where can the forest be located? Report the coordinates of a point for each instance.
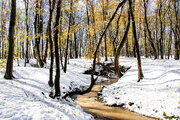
(46, 46)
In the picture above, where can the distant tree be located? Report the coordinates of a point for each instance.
(9, 65)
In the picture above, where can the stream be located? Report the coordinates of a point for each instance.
(91, 104)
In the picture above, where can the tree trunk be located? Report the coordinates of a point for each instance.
(37, 38)
(60, 42)
(116, 58)
(145, 44)
(161, 32)
(176, 33)
(9, 65)
(51, 8)
(75, 46)
(140, 74)
(148, 30)
(57, 76)
(27, 32)
(67, 41)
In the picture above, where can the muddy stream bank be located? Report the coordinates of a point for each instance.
(91, 104)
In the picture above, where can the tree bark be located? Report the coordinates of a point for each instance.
(67, 41)
(140, 74)
(37, 36)
(9, 65)
(51, 8)
(148, 30)
(116, 58)
(57, 76)
(161, 32)
(27, 32)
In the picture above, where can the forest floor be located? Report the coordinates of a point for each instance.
(26, 96)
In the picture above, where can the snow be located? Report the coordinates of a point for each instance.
(26, 97)
(155, 95)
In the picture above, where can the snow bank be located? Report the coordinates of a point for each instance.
(26, 97)
(157, 95)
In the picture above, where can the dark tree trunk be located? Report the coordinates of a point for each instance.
(27, 32)
(176, 32)
(127, 48)
(67, 41)
(148, 30)
(176, 53)
(116, 58)
(161, 32)
(117, 32)
(145, 44)
(57, 77)
(170, 38)
(105, 40)
(51, 8)
(60, 42)
(37, 38)
(47, 43)
(157, 41)
(140, 74)
(9, 65)
(75, 46)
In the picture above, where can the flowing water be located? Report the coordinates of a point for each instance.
(91, 104)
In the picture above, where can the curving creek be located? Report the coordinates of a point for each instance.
(91, 104)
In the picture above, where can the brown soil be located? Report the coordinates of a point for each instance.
(91, 104)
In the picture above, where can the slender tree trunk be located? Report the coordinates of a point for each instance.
(170, 40)
(37, 38)
(75, 46)
(157, 41)
(60, 42)
(9, 65)
(145, 44)
(51, 8)
(67, 41)
(161, 32)
(47, 43)
(176, 33)
(127, 48)
(27, 31)
(104, 19)
(57, 76)
(148, 30)
(117, 31)
(140, 74)
(116, 58)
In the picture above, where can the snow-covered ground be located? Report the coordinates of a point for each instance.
(26, 97)
(158, 94)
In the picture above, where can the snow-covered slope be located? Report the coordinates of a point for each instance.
(26, 97)
(158, 94)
